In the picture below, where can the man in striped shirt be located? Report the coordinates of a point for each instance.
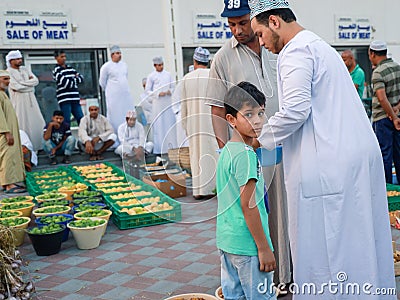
(67, 79)
(385, 106)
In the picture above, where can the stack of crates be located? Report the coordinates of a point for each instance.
(393, 195)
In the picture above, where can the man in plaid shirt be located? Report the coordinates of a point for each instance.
(386, 106)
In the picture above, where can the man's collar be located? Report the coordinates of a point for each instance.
(234, 42)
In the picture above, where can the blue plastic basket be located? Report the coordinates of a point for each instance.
(269, 157)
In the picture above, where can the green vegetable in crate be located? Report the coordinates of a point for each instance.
(18, 205)
(7, 214)
(9, 222)
(50, 174)
(86, 223)
(58, 180)
(93, 213)
(53, 219)
(53, 203)
(52, 228)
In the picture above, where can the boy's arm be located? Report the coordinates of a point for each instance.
(253, 221)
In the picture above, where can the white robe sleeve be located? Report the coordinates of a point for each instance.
(103, 76)
(295, 72)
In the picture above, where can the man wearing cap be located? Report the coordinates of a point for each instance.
(338, 221)
(114, 81)
(22, 96)
(160, 87)
(95, 133)
(242, 59)
(196, 121)
(132, 138)
(67, 80)
(385, 106)
(357, 74)
(11, 161)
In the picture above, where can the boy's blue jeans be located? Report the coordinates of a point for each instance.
(242, 279)
(66, 148)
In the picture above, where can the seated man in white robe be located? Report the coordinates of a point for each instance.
(95, 133)
(132, 138)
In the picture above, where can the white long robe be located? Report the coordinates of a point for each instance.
(22, 97)
(163, 126)
(114, 81)
(196, 120)
(338, 212)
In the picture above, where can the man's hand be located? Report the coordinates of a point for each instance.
(95, 140)
(267, 260)
(56, 125)
(396, 123)
(162, 94)
(53, 151)
(9, 138)
(89, 147)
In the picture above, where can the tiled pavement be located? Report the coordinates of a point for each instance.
(145, 263)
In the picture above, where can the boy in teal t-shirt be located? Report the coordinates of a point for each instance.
(247, 260)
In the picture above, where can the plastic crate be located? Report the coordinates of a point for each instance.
(393, 201)
(125, 221)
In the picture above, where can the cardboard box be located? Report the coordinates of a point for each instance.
(174, 186)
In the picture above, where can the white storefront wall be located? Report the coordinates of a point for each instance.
(145, 29)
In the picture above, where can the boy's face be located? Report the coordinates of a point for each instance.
(249, 120)
(58, 119)
(131, 121)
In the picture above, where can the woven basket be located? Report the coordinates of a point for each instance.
(180, 156)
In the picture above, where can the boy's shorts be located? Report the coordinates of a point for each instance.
(242, 279)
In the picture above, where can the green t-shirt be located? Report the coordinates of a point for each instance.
(358, 77)
(237, 164)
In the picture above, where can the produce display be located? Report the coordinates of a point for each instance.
(86, 194)
(50, 181)
(15, 206)
(50, 174)
(53, 203)
(154, 207)
(110, 184)
(83, 207)
(52, 228)
(100, 174)
(51, 210)
(51, 196)
(12, 221)
(50, 219)
(73, 187)
(17, 199)
(84, 223)
(92, 213)
(392, 193)
(129, 195)
(12, 284)
(87, 201)
(107, 179)
(9, 213)
(101, 167)
(58, 184)
(135, 201)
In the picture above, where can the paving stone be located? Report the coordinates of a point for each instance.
(74, 260)
(113, 266)
(153, 261)
(71, 286)
(165, 286)
(158, 273)
(73, 272)
(113, 255)
(190, 256)
(116, 279)
(120, 293)
(148, 251)
(145, 241)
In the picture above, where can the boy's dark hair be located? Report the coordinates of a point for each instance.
(58, 113)
(202, 63)
(379, 53)
(58, 52)
(286, 14)
(241, 94)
